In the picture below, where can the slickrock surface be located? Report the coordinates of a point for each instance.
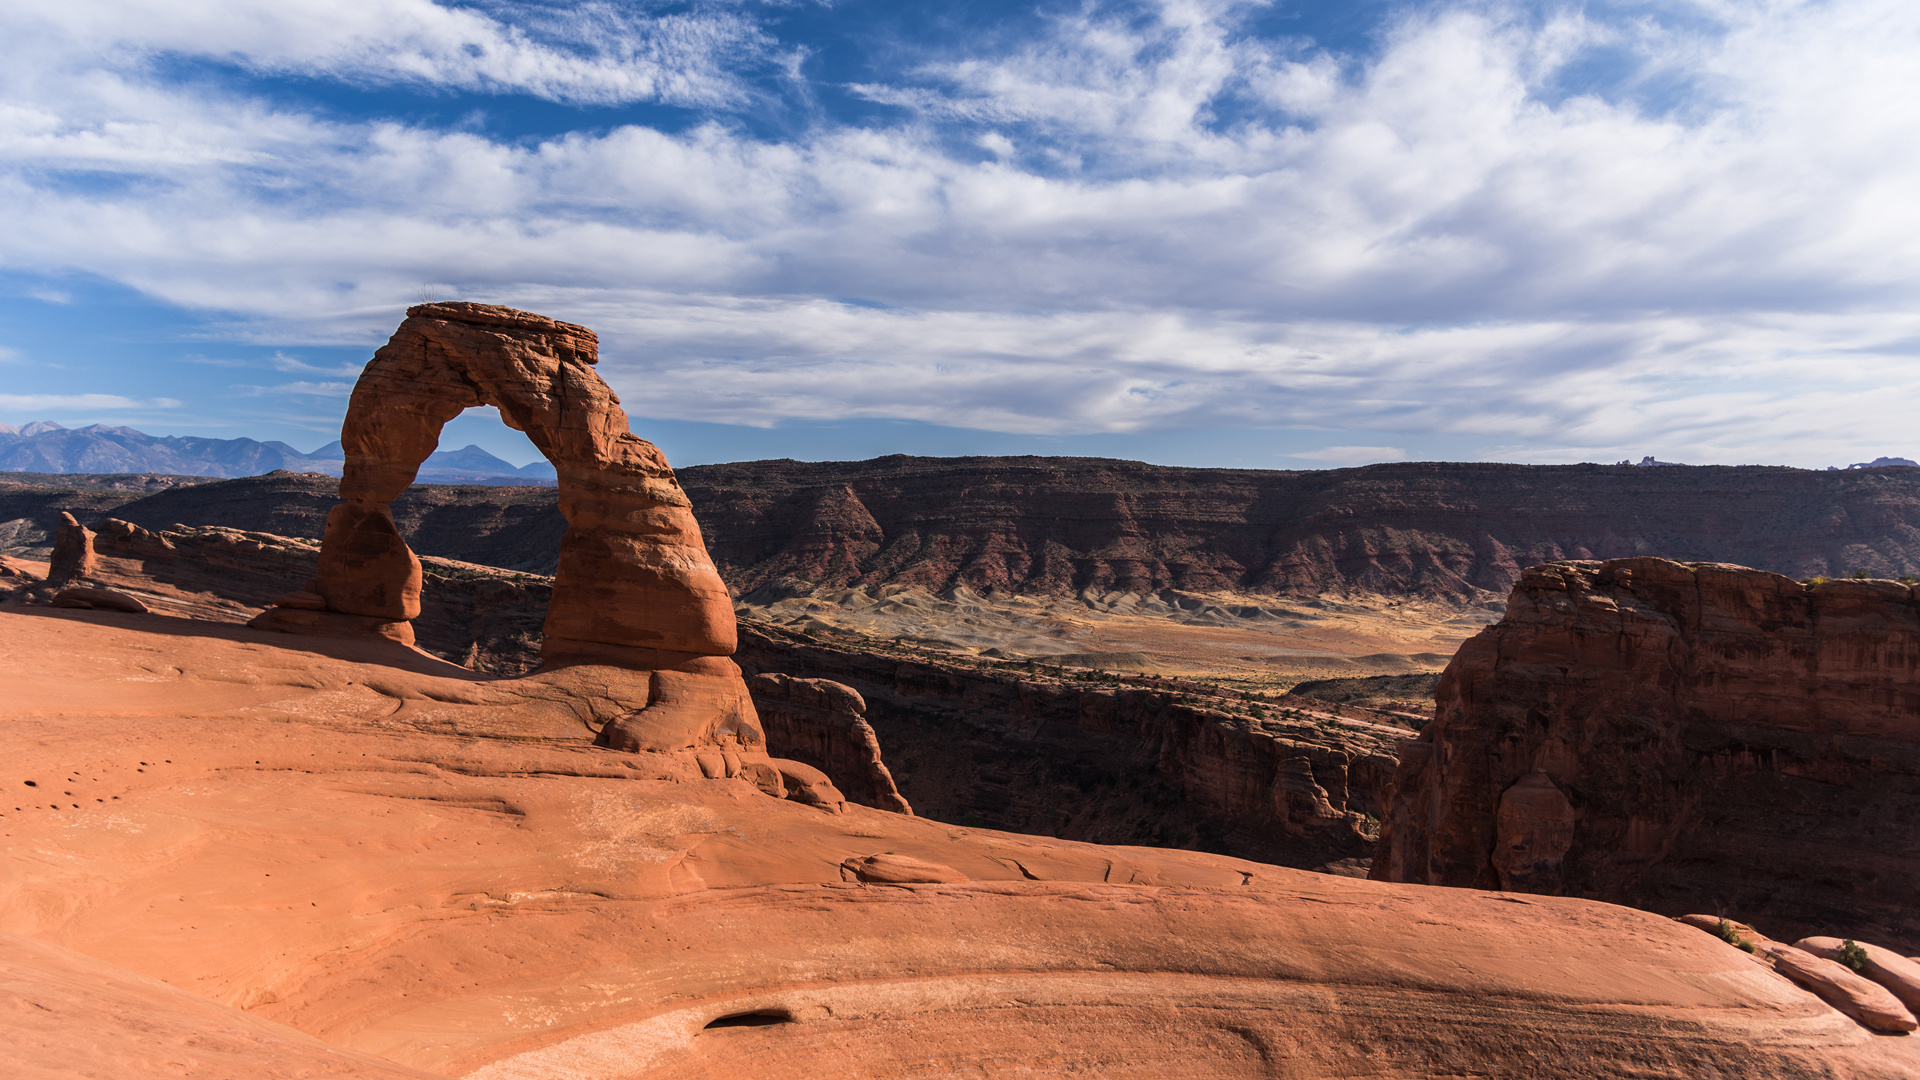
(1898, 974)
(1868, 1001)
(407, 859)
(68, 1015)
(1679, 737)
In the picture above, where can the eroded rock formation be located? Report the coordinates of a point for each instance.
(634, 590)
(73, 558)
(1678, 737)
(824, 724)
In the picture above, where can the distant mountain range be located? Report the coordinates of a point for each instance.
(47, 447)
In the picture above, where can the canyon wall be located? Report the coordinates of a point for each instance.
(1123, 760)
(1444, 531)
(1035, 525)
(1680, 738)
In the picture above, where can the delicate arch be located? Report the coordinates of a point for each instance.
(634, 573)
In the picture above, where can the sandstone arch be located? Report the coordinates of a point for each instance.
(635, 587)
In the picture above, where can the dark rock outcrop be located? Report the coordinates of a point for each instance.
(824, 724)
(1440, 530)
(1679, 738)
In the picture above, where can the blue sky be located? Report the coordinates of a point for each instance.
(1279, 235)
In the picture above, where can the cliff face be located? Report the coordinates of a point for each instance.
(823, 724)
(1059, 525)
(1678, 738)
(1452, 531)
(1127, 761)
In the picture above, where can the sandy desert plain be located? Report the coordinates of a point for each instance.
(299, 845)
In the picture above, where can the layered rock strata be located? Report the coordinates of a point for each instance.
(634, 587)
(1678, 737)
(1039, 526)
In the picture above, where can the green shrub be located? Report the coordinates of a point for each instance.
(1852, 955)
(1731, 935)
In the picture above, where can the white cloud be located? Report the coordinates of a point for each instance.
(588, 52)
(41, 403)
(280, 361)
(1352, 455)
(306, 389)
(1197, 228)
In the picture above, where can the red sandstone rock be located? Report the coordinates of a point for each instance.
(634, 588)
(72, 558)
(1898, 974)
(405, 858)
(1839, 986)
(891, 869)
(1743, 934)
(823, 723)
(1459, 530)
(104, 599)
(806, 784)
(1864, 1000)
(69, 1015)
(1039, 754)
(1532, 833)
(1726, 737)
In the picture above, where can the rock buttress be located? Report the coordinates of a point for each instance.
(1722, 739)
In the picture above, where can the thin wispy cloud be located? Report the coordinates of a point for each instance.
(300, 389)
(294, 365)
(36, 404)
(1567, 231)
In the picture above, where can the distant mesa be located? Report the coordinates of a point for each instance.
(1886, 462)
(1649, 461)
